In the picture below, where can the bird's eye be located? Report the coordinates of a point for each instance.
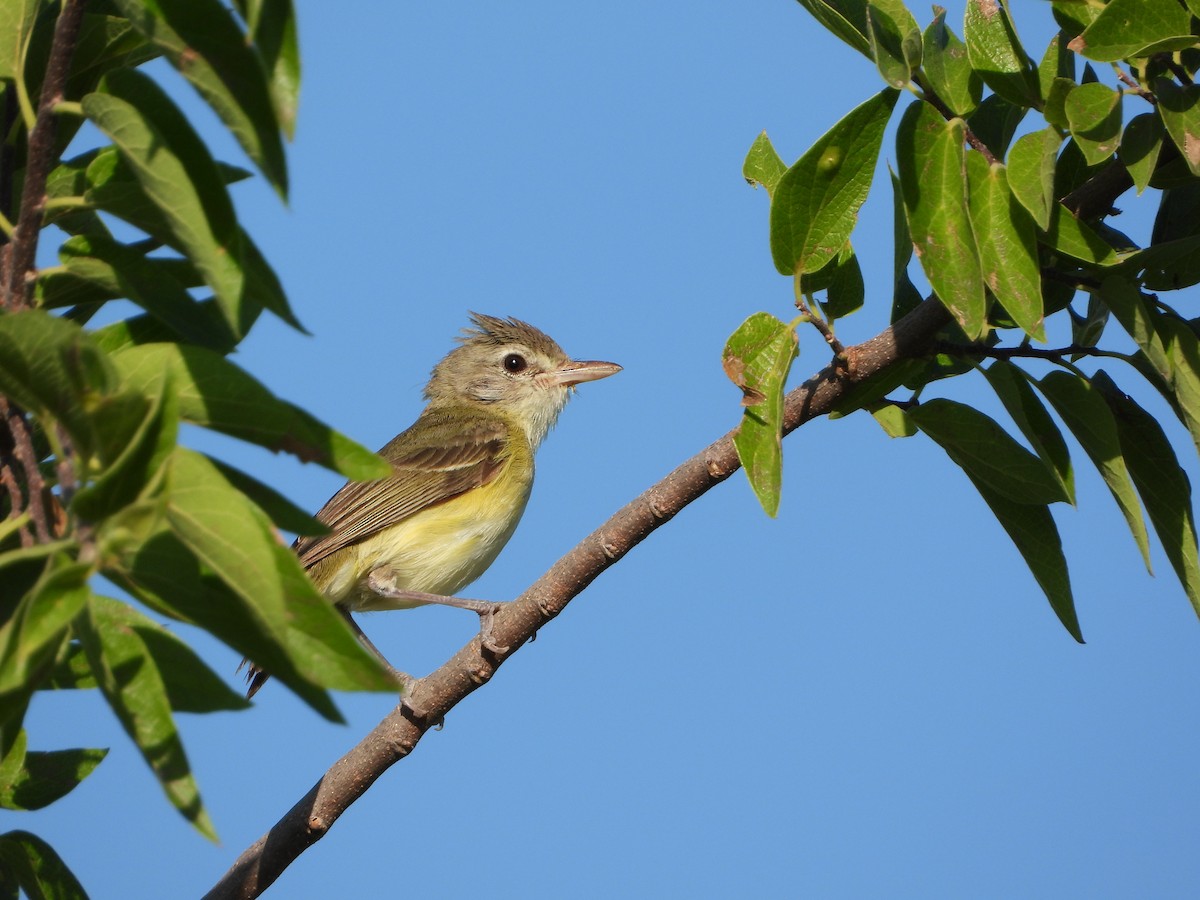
(514, 363)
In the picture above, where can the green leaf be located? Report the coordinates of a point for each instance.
(31, 636)
(1127, 305)
(1094, 115)
(1058, 62)
(1176, 216)
(996, 53)
(1140, 146)
(1012, 387)
(841, 279)
(151, 563)
(31, 863)
(947, 69)
(145, 329)
(1036, 537)
(894, 421)
(1125, 29)
(1169, 266)
(17, 19)
(816, 201)
(1055, 110)
(1087, 415)
(987, 453)
(932, 178)
(1183, 356)
(895, 40)
(272, 25)
(847, 19)
(1087, 330)
(35, 779)
(215, 393)
(131, 682)
(1071, 237)
(50, 368)
(225, 532)
(763, 165)
(846, 290)
(105, 42)
(282, 512)
(995, 122)
(1161, 482)
(1180, 111)
(757, 358)
(190, 685)
(235, 541)
(1031, 172)
(1007, 246)
(142, 453)
(905, 296)
(177, 173)
(71, 672)
(202, 41)
(148, 283)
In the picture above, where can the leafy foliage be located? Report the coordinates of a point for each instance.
(95, 482)
(1008, 167)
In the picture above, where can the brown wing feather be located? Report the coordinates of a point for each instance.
(439, 457)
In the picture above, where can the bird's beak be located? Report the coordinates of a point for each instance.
(577, 371)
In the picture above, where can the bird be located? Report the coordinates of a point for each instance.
(461, 478)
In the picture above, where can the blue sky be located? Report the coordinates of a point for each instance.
(868, 696)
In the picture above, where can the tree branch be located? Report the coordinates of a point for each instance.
(471, 667)
(1052, 354)
(39, 159)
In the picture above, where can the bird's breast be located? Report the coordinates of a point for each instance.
(440, 550)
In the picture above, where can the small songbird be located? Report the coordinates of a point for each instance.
(461, 478)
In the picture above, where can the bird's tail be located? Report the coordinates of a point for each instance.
(255, 677)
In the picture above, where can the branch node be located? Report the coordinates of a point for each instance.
(317, 825)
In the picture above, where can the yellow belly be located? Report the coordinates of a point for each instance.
(439, 550)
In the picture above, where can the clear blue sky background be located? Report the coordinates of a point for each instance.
(866, 697)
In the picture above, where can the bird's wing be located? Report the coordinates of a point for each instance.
(436, 459)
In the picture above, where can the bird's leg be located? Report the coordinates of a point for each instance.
(382, 582)
(403, 678)
(406, 681)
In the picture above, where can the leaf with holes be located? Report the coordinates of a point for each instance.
(757, 358)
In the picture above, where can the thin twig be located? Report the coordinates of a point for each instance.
(22, 439)
(8, 117)
(436, 694)
(1130, 82)
(818, 322)
(39, 158)
(979, 351)
(16, 502)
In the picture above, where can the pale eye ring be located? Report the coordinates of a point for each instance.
(514, 363)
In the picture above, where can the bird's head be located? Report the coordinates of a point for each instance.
(511, 367)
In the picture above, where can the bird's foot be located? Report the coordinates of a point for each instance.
(383, 583)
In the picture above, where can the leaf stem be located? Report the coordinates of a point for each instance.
(1134, 88)
(930, 96)
(818, 321)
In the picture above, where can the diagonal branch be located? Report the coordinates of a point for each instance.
(39, 159)
(436, 694)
